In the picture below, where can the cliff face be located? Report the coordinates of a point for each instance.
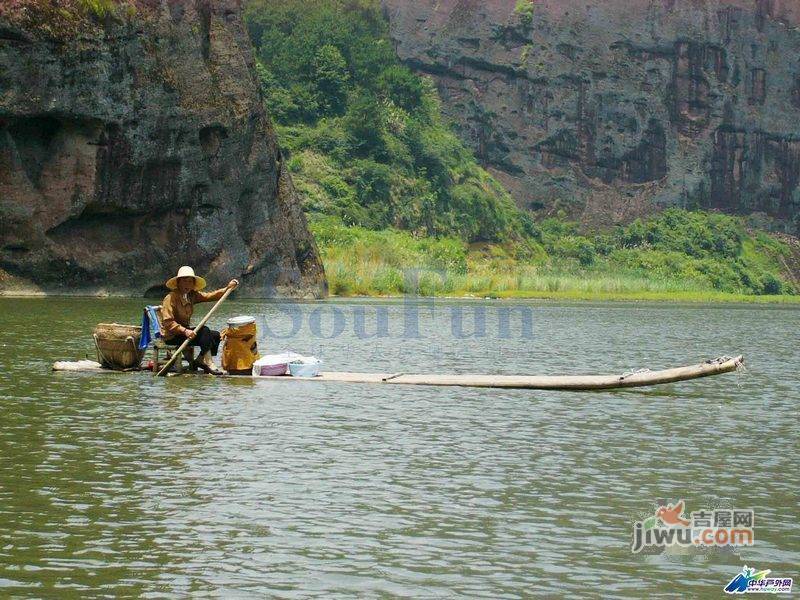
(130, 145)
(609, 108)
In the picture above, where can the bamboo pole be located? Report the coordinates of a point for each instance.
(183, 346)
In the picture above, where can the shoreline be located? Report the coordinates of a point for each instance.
(656, 297)
(573, 296)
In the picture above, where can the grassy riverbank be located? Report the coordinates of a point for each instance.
(679, 255)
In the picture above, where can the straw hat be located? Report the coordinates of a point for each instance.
(199, 282)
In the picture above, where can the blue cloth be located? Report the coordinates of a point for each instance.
(150, 329)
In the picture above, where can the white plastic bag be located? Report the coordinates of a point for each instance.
(266, 364)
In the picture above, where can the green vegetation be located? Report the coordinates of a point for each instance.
(524, 9)
(99, 7)
(65, 20)
(365, 135)
(677, 255)
(391, 190)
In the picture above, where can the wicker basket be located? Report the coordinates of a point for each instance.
(118, 345)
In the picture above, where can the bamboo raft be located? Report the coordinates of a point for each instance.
(641, 378)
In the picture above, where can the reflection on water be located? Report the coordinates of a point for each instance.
(124, 484)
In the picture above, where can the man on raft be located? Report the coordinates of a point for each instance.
(176, 312)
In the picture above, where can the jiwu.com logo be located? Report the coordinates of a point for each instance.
(750, 581)
(670, 527)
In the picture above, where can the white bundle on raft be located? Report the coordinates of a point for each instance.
(278, 364)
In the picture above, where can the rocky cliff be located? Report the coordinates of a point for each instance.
(607, 109)
(133, 140)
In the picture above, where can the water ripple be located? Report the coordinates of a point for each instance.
(121, 485)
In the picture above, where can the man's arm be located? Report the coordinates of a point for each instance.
(208, 296)
(216, 294)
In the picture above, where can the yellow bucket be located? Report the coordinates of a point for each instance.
(241, 349)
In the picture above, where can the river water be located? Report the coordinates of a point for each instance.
(128, 485)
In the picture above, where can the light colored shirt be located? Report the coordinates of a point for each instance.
(177, 309)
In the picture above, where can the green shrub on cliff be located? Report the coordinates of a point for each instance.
(65, 19)
(346, 107)
(99, 7)
(524, 9)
